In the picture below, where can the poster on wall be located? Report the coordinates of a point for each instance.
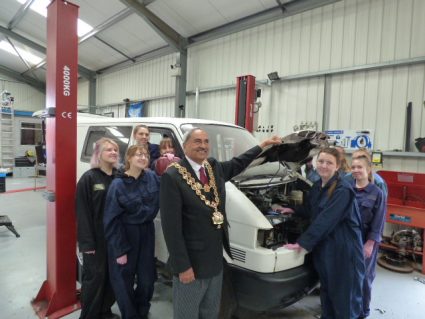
(135, 110)
(352, 139)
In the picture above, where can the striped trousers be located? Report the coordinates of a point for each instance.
(199, 299)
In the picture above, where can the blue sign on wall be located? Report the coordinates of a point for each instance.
(135, 110)
(352, 139)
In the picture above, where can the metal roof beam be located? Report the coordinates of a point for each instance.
(138, 59)
(286, 10)
(84, 72)
(17, 76)
(108, 23)
(168, 34)
(115, 49)
(29, 43)
(22, 59)
(20, 14)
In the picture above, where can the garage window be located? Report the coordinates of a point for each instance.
(120, 134)
(31, 133)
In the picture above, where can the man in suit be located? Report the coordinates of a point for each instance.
(192, 207)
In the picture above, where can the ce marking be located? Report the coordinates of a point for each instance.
(67, 115)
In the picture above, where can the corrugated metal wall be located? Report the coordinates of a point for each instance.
(378, 100)
(294, 102)
(142, 81)
(160, 107)
(218, 105)
(26, 97)
(347, 34)
(83, 94)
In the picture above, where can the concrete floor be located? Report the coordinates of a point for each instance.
(23, 267)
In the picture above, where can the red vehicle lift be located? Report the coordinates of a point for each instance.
(246, 95)
(406, 201)
(58, 294)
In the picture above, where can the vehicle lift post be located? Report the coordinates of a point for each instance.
(57, 296)
(246, 94)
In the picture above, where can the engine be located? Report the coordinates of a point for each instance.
(268, 199)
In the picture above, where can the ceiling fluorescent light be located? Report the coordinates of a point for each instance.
(27, 56)
(40, 6)
(83, 28)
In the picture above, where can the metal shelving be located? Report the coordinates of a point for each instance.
(7, 141)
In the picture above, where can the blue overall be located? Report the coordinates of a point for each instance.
(377, 179)
(372, 210)
(334, 237)
(131, 206)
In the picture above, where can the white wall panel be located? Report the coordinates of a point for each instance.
(404, 29)
(144, 80)
(83, 94)
(26, 97)
(418, 27)
(361, 32)
(389, 28)
(374, 31)
(337, 32)
(416, 94)
(219, 106)
(287, 104)
(378, 100)
(160, 107)
(345, 34)
(349, 33)
(315, 41)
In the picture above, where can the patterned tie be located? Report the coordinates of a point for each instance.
(202, 176)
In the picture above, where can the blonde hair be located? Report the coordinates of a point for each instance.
(365, 157)
(362, 152)
(98, 147)
(131, 151)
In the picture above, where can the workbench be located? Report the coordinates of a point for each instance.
(406, 202)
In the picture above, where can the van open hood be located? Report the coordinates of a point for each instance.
(279, 163)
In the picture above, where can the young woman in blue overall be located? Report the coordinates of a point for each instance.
(132, 204)
(372, 209)
(334, 238)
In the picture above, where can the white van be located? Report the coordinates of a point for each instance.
(265, 276)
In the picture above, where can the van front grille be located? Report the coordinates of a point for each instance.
(238, 254)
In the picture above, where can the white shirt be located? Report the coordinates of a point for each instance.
(195, 166)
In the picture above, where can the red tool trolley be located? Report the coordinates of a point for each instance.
(406, 201)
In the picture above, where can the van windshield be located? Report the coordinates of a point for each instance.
(225, 141)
